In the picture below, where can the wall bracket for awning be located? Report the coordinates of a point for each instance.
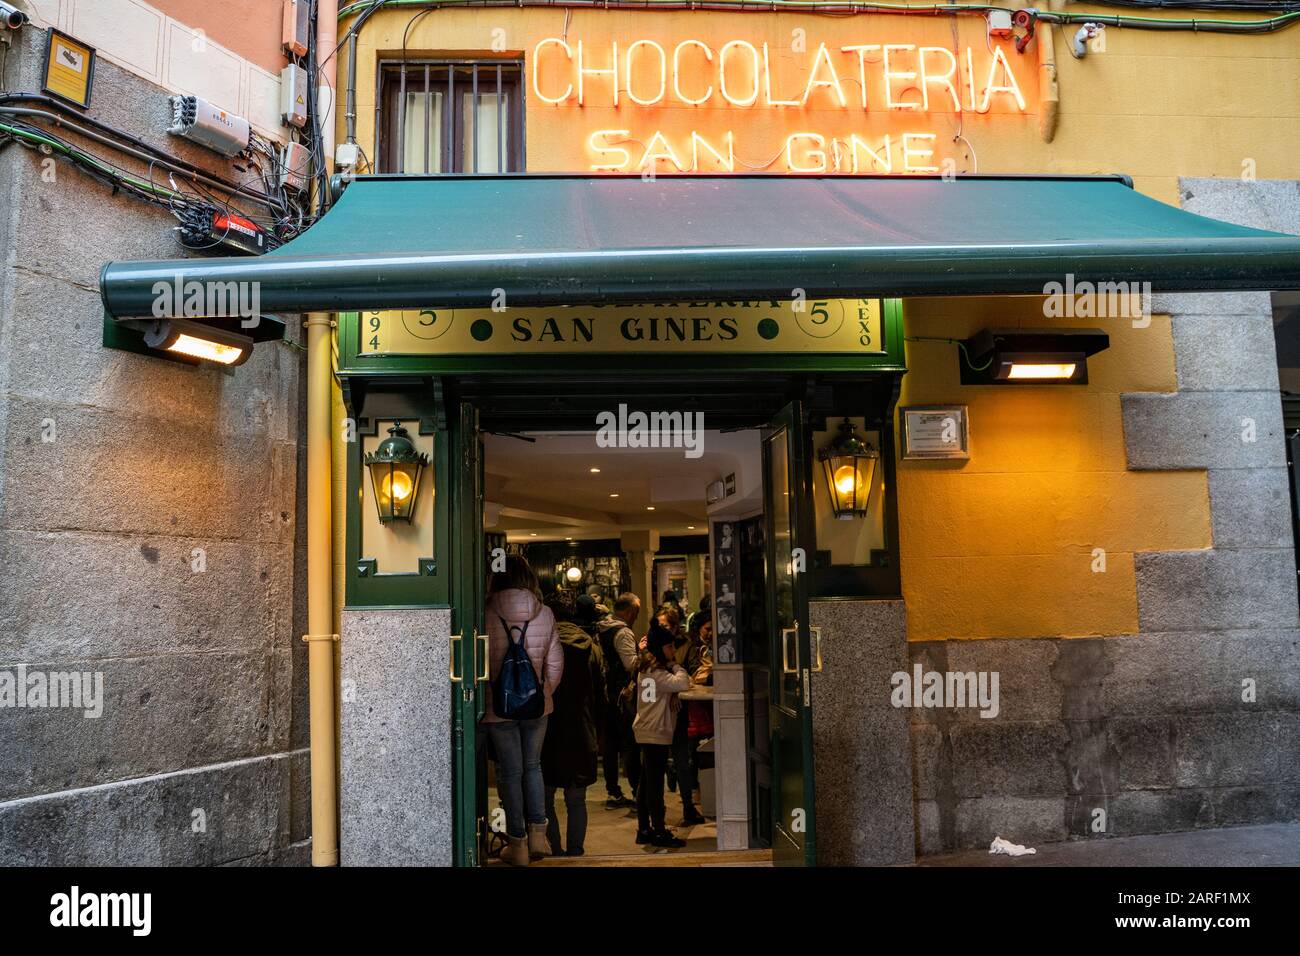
(396, 242)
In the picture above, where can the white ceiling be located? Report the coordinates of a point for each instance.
(545, 490)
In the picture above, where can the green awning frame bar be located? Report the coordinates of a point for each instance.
(394, 242)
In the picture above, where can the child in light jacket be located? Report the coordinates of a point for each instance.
(659, 680)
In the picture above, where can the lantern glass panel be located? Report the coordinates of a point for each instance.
(850, 470)
(395, 470)
(395, 485)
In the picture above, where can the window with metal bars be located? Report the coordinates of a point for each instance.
(450, 116)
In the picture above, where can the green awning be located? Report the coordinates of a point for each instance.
(408, 242)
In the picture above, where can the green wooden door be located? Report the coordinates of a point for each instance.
(790, 548)
(469, 645)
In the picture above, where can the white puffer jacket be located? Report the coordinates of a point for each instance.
(656, 712)
(542, 643)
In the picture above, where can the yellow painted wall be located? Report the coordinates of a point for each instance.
(1001, 545)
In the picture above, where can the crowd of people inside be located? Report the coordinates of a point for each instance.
(574, 686)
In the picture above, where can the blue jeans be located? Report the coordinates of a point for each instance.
(575, 810)
(518, 745)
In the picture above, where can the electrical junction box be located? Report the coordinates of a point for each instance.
(296, 21)
(293, 95)
(346, 155)
(1000, 23)
(295, 166)
(209, 126)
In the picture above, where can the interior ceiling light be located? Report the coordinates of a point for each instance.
(1028, 356)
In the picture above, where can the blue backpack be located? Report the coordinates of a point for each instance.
(516, 693)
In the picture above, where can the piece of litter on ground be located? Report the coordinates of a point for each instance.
(1000, 845)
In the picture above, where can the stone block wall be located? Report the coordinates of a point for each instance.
(120, 475)
(396, 807)
(860, 741)
(1112, 736)
(1156, 731)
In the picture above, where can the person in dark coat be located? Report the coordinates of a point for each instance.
(569, 751)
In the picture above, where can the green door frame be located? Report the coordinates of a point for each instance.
(788, 507)
(458, 477)
(468, 636)
(787, 487)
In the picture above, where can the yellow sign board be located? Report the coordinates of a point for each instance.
(69, 69)
(840, 326)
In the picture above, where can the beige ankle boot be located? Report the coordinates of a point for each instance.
(516, 851)
(538, 846)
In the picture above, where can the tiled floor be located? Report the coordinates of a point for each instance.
(612, 833)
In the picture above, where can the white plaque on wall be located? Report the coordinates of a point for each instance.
(935, 431)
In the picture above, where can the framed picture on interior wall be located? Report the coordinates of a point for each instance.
(725, 635)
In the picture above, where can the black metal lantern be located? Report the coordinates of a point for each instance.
(850, 466)
(395, 470)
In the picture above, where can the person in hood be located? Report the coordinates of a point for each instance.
(618, 649)
(514, 602)
(569, 752)
(659, 680)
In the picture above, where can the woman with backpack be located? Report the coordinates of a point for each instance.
(525, 664)
(659, 680)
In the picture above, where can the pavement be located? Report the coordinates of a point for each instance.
(1274, 844)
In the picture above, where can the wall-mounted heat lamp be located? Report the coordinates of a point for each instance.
(205, 343)
(1028, 356)
(220, 342)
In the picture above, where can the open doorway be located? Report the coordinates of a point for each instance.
(682, 528)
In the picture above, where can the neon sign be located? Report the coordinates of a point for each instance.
(856, 88)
